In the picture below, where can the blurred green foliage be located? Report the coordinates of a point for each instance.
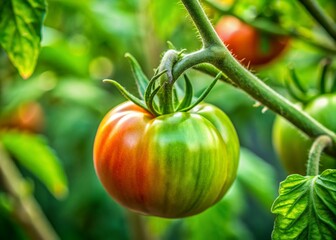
(84, 42)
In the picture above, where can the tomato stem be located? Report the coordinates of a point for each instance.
(266, 26)
(315, 153)
(167, 81)
(217, 54)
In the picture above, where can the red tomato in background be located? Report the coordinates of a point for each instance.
(28, 117)
(247, 44)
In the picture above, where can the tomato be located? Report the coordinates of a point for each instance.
(28, 117)
(174, 165)
(292, 146)
(247, 44)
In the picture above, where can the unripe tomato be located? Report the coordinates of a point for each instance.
(292, 146)
(172, 166)
(247, 44)
(28, 117)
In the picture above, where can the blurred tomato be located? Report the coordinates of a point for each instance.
(28, 116)
(247, 44)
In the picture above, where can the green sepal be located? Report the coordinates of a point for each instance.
(175, 97)
(296, 80)
(127, 94)
(203, 95)
(171, 45)
(140, 77)
(151, 87)
(189, 92)
(292, 92)
(151, 103)
(323, 77)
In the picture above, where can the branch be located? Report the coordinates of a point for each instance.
(266, 26)
(219, 56)
(204, 26)
(26, 210)
(320, 16)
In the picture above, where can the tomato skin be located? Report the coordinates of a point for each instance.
(292, 146)
(172, 166)
(246, 43)
(27, 117)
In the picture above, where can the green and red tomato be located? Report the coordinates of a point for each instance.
(174, 165)
(292, 146)
(249, 45)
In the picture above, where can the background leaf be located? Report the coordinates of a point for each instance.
(306, 207)
(35, 155)
(222, 220)
(20, 35)
(252, 172)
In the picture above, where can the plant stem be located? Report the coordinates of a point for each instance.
(167, 81)
(266, 26)
(315, 154)
(202, 22)
(320, 16)
(26, 210)
(218, 55)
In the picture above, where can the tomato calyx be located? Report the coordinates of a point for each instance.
(160, 95)
(326, 84)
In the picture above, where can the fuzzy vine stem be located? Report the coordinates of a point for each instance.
(215, 53)
(320, 16)
(273, 28)
(167, 81)
(315, 152)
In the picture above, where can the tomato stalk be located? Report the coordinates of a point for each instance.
(266, 26)
(315, 153)
(217, 54)
(167, 81)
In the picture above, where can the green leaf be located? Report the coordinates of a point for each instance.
(20, 35)
(140, 77)
(33, 153)
(306, 207)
